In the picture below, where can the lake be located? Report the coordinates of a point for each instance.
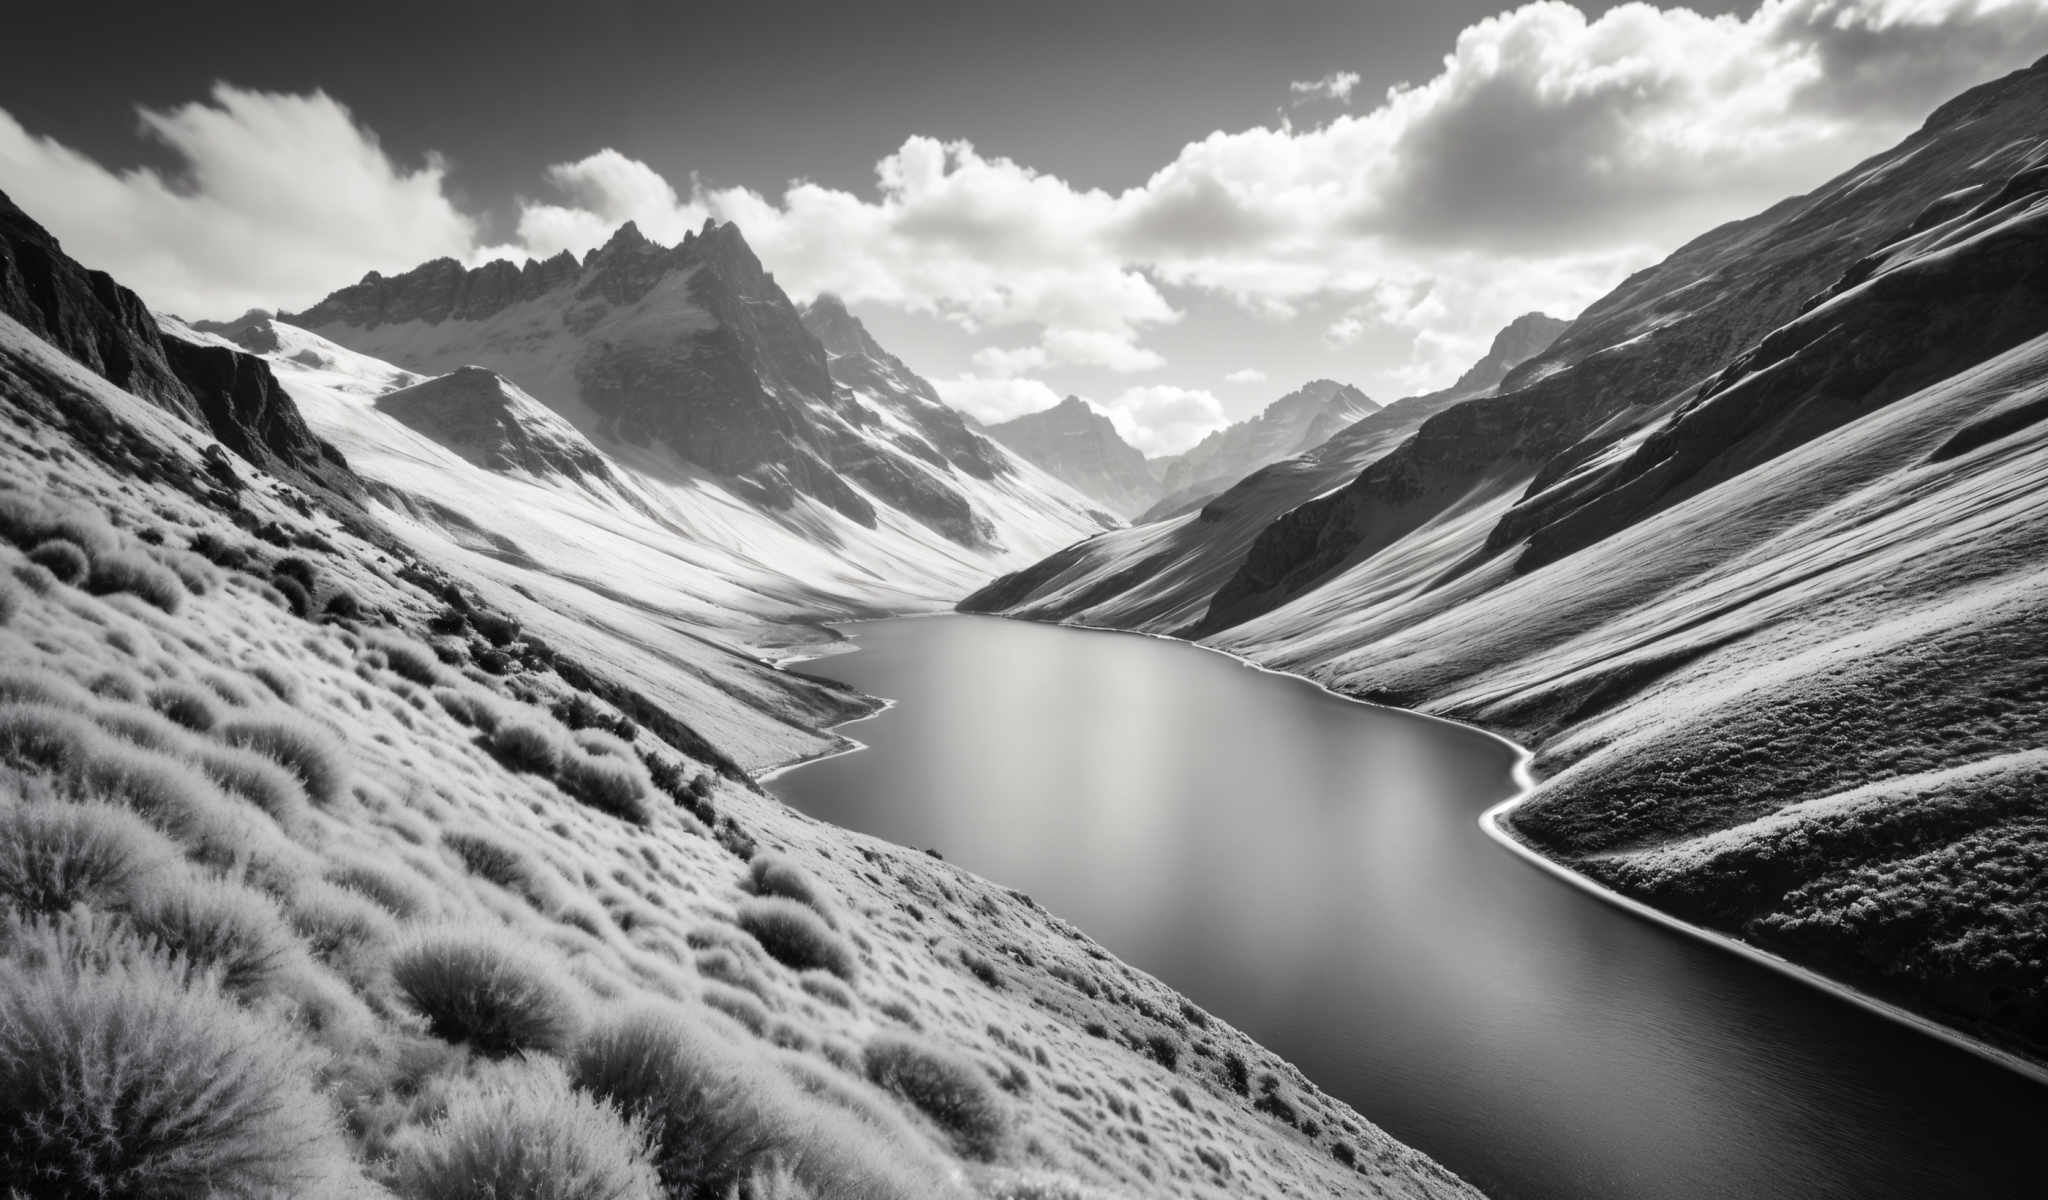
(1312, 870)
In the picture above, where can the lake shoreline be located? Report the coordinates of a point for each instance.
(1495, 824)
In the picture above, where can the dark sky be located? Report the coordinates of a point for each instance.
(754, 94)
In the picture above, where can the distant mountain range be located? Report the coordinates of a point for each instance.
(1079, 445)
(1754, 550)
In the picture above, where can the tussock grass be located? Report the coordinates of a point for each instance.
(137, 574)
(128, 1082)
(488, 993)
(335, 921)
(522, 1133)
(278, 680)
(189, 706)
(54, 855)
(796, 936)
(527, 745)
(717, 1113)
(66, 561)
(609, 783)
(775, 875)
(473, 708)
(504, 864)
(955, 1093)
(83, 759)
(230, 929)
(397, 894)
(408, 659)
(299, 746)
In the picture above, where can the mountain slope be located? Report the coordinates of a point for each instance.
(1160, 576)
(1294, 424)
(1073, 442)
(690, 360)
(1754, 555)
(391, 850)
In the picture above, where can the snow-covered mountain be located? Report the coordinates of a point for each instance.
(1075, 443)
(691, 362)
(1755, 553)
(1294, 424)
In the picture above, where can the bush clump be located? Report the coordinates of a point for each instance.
(775, 875)
(522, 1133)
(487, 994)
(606, 782)
(300, 747)
(500, 862)
(956, 1094)
(223, 927)
(527, 746)
(796, 936)
(65, 560)
(188, 706)
(128, 1082)
(690, 1090)
(54, 855)
(139, 575)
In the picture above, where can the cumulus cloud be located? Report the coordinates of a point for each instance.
(281, 198)
(1337, 85)
(1549, 154)
(1246, 375)
(994, 400)
(1164, 419)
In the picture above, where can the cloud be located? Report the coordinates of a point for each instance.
(279, 200)
(1337, 85)
(1548, 154)
(1164, 419)
(994, 400)
(1246, 375)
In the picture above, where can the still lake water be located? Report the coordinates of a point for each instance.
(1312, 871)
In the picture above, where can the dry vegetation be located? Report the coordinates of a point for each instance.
(319, 877)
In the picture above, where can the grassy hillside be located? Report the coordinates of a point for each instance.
(321, 875)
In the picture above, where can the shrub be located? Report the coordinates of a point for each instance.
(266, 784)
(953, 1092)
(496, 628)
(220, 926)
(342, 605)
(300, 747)
(775, 875)
(280, 683)
(527, 745)
(409, 660)
(188, 706)
(795, 936)
(297, 600)
(128, 1083)
(332, 918)
(65, 560)
(139, 575)
(395, 894)
(488, 994)
(298, 569)
(692, 1092)
(522, 1133)
(608, 783)
(55, 855)
(824, 987)
(503, 864)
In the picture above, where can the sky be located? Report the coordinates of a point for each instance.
(1178, 209)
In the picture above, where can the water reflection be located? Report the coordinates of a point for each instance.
(1312, 870)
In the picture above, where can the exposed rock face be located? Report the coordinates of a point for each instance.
(939, 434)
(692, 348)
(1082, 447)
(490, 422)
(108, 328)
(1656, 344)
(1295, 423)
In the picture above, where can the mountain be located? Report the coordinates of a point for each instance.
(1076, 444)
(94, 320)
(1753, 554)
(1297, 422)
(415, 796)
(694, 360)
(1159, 576)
